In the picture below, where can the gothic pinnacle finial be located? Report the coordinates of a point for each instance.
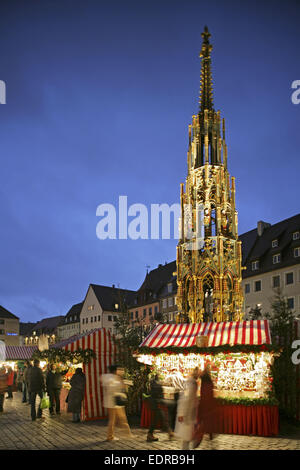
(206, 89)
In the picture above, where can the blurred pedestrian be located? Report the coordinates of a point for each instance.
(206, 410)
(76, 394)
(187, 410)
(36, 387)
(25, 398)
(54, 379)
(157, 414)
(114, 401)
(10, 382)
(3, 386)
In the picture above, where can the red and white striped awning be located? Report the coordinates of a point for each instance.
(221, 333)
(103, 343)
(17, 353)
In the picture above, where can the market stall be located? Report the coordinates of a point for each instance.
(104, 347)
(240, 356)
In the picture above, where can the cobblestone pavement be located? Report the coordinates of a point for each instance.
(18, 432)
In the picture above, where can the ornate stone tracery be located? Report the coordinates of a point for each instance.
(209, 252)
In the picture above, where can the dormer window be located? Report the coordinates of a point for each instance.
(170, 288)
(296, 252)
(255, 265)
(276, 258)
(296, 235)
(274, 243)
(116, 306)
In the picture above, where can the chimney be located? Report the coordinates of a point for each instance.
(261, 225)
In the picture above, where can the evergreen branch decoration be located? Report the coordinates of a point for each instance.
(245, 401)
(226, 349)
(54, 355)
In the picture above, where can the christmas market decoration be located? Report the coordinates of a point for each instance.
(58, 355)
(240, 357)
(94, 352)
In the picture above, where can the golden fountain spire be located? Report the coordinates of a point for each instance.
(208, 260)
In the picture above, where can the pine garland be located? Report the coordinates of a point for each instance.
(54, 355)
(226, 349)
(270, 401)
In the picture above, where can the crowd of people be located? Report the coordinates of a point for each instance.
(185, 416)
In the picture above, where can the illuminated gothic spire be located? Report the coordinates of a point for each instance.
(206, 88)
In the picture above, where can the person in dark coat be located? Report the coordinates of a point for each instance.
(206, 410)
(76, 394)
(26, 398)
(157, 415)
(36, 386)
(54, 379)
(3, 386)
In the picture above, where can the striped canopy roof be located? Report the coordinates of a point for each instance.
(184, 335)
(16, 353)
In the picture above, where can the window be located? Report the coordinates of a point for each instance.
(170, 287)
(109, 318)
(1, 332)
(170, 301)
(255, 265)
(91, 307)
(95, 318)
(289, 278)
(276, 258)
(137, 314)
(274, 243)
(1, 321)
(116, 306)
(91, 319)
(150, 310)
(247, 288)
(257, 286)
(131, 315)
(164, 303)
(171, 317)
(144, 312)
(86, 320)
(276, 281)
(296, 252)
(291, 303)
(99, 317)
(155, 309)
(296, 235)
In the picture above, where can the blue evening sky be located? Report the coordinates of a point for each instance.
(99, 98)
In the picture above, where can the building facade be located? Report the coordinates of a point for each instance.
(9, 328)
(102, 305)
(152, 302)
(209, 255)
(70, 325)
(272, 261)
(47, 327)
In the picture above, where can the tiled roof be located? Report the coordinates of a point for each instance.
(74, 312)
(47, 324)
(263, 251)
(4, 313)
(108, 296)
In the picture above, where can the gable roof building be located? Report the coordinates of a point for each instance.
(70, 324)
(101, 306)
(9, 327)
